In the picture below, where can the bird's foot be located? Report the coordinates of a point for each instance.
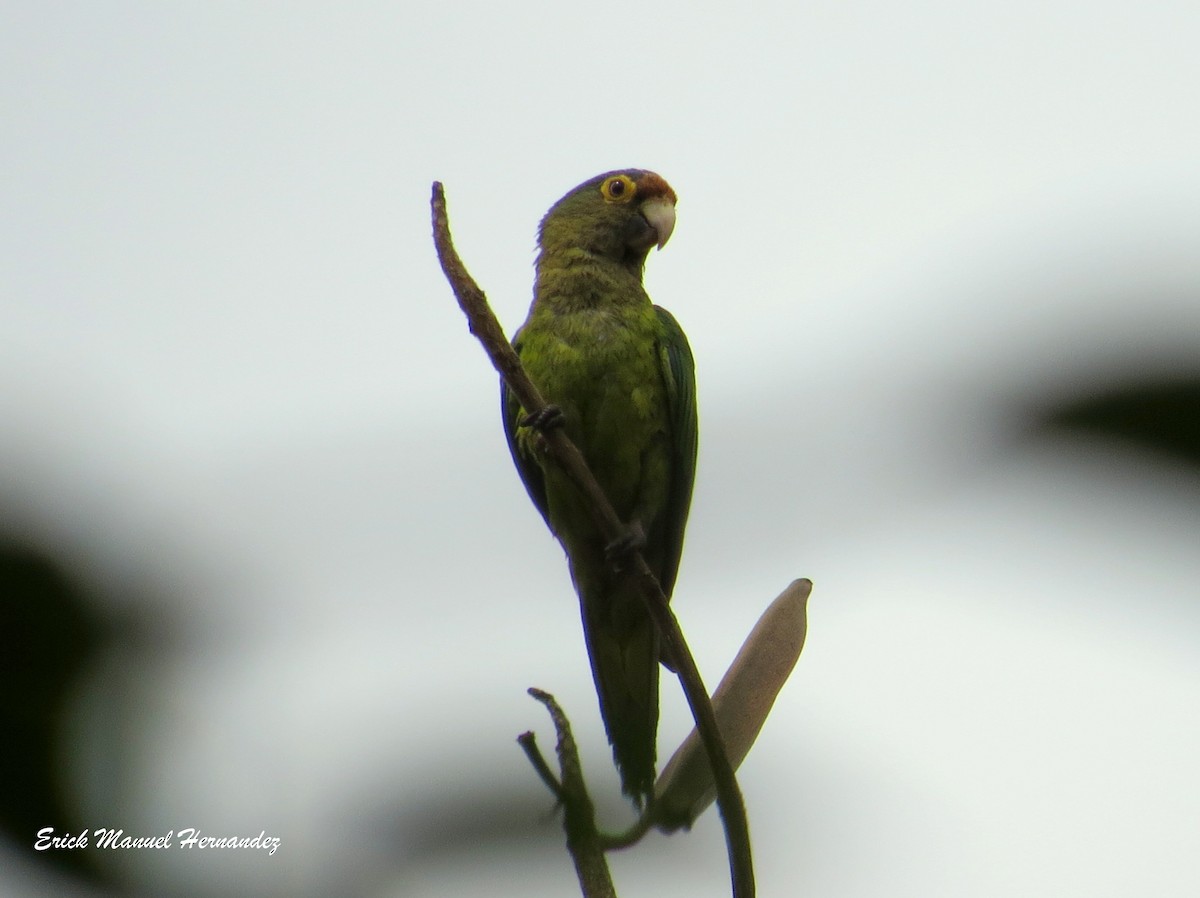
(618, 551)
(545, 419)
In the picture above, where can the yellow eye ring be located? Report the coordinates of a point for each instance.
(618, 189)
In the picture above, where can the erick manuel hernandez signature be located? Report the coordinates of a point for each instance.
(188, 837)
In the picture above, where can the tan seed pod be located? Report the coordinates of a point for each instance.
(741, 703)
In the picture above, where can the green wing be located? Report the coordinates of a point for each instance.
(528, 468)
(679, 375)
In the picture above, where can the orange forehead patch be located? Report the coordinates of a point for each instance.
(651, 184)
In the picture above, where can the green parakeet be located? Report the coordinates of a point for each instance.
(621, 372)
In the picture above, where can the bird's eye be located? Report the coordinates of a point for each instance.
(618, 189)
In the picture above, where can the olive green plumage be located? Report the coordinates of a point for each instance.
(621, 371)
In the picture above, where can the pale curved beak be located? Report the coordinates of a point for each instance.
(660, 215)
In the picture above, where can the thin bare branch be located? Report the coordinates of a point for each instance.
(528, 743)
(583, 841)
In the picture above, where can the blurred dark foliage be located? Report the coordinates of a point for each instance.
(1160, 415)
(50, 632)
(514, 819)
(505, 818)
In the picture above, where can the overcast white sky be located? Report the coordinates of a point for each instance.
(229, 367)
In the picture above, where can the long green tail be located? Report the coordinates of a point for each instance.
(623, 646)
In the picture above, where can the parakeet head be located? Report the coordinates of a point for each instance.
(617, 215)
